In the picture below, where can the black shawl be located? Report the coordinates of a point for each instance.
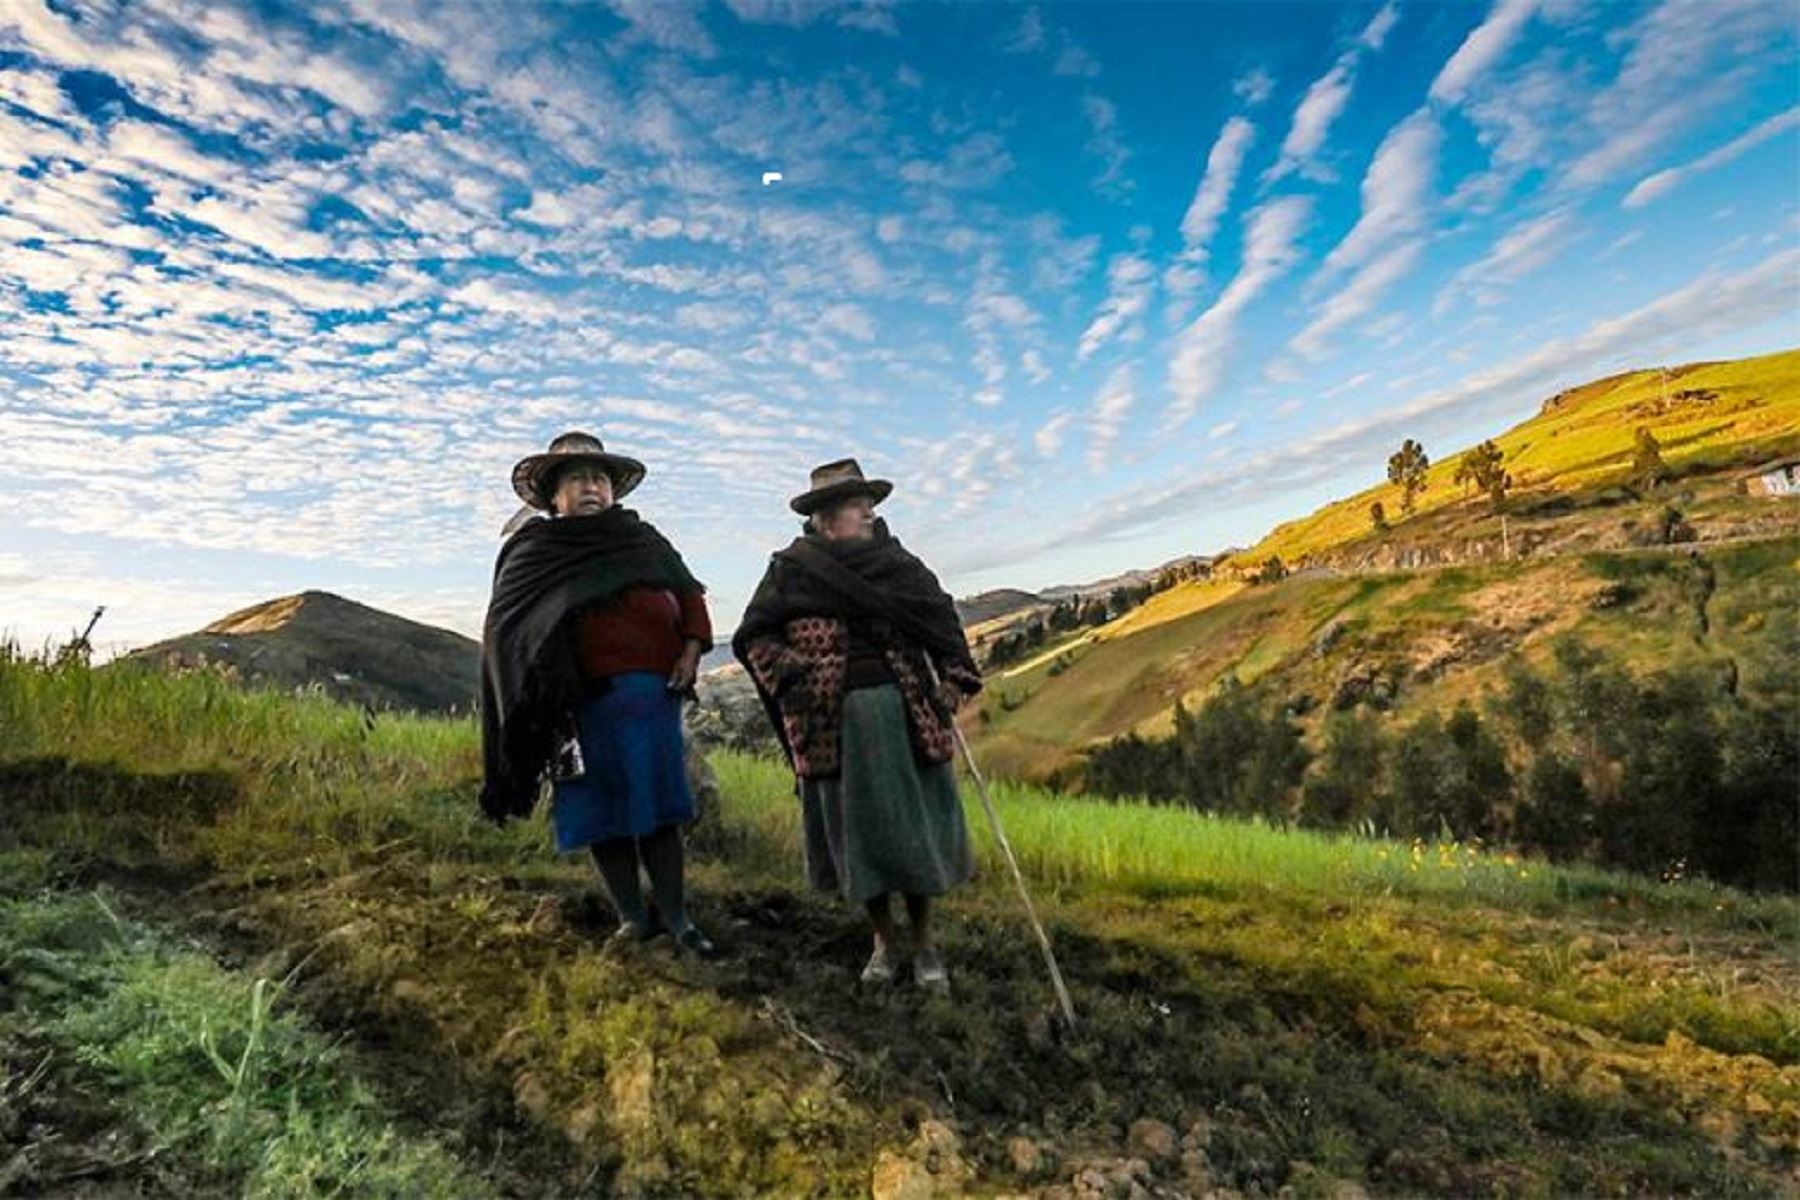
(881, 580)
(547, 573)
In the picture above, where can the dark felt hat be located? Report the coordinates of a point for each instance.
(836, 481)
(534, 477)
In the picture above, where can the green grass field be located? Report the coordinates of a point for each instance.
(1304, 1010)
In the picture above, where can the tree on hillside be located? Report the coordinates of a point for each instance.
(1407, 467)
(1378, 517)
(1483, 468)
(1647, 466)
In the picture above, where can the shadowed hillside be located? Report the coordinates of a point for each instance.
(350, 651)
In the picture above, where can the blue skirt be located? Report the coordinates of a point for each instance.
(636, 777)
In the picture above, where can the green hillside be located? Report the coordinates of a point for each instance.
(1432, 606)
(256, 944)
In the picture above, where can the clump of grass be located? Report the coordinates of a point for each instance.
(218, 1073)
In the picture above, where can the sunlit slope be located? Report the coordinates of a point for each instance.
(1708, 416)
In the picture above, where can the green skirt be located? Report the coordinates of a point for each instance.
(885, 824)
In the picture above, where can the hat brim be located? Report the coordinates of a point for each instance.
(529, 474)
(808, 503)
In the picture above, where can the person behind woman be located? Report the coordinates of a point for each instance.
(593, 635)
(861, 662)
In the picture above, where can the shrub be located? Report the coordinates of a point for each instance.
(1344, 787)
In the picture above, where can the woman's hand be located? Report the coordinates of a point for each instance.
(950, 696)
(687, 667)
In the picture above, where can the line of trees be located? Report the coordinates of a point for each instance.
(1663, 772)
(1067, 615)
(1483, 469)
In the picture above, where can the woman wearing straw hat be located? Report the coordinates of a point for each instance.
(844, 638)
(595, 627)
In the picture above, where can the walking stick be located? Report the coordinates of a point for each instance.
(993, 816)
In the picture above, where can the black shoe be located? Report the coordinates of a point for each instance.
(697, 943)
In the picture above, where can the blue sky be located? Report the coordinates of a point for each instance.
(288, 288)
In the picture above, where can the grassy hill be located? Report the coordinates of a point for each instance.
(1429, 609)
(1714, 420)
(252, 943)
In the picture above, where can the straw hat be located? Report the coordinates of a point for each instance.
(533, 478)
(836, 481)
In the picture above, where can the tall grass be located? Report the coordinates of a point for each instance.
(1084, 843)
(319, 781)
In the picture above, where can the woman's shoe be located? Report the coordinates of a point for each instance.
(930, 973)
(879, 971)
(631, 933)
(697, 943)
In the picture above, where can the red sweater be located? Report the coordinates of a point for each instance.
(640, 629)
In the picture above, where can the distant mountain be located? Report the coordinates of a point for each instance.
(351, 651)
(987, 606)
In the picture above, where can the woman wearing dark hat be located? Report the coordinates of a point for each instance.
(861, 662)
(595, 628)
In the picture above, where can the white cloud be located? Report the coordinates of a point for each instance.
(1213, 195)
(1032, 363)
(1526, 247)
(1325, 101)
(1105, 144)
(1396, 193)
(1485, 46)
(665, 24)
(1048, 440)
(1357, 297)
(1111, 407)
(1686, 59)
(1130, 278)
(1652, 187)
(850, 320)
(1253, 86)
(1271, 248)
(1029, 36)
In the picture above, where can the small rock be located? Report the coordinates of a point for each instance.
(1613, 595)
(1091, 1183)
(1152, 1139)
(531, 1095)
(581, 1122)
(939, 1148)
(1196, 1172)
(408, 991)
(546, 917)
(897, 1177)
(633, 1087)
(1024, 1155)
(1329, 636)
(1199, 1134)
(1131, 1170)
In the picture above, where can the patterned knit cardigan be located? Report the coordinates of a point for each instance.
(804, 672)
